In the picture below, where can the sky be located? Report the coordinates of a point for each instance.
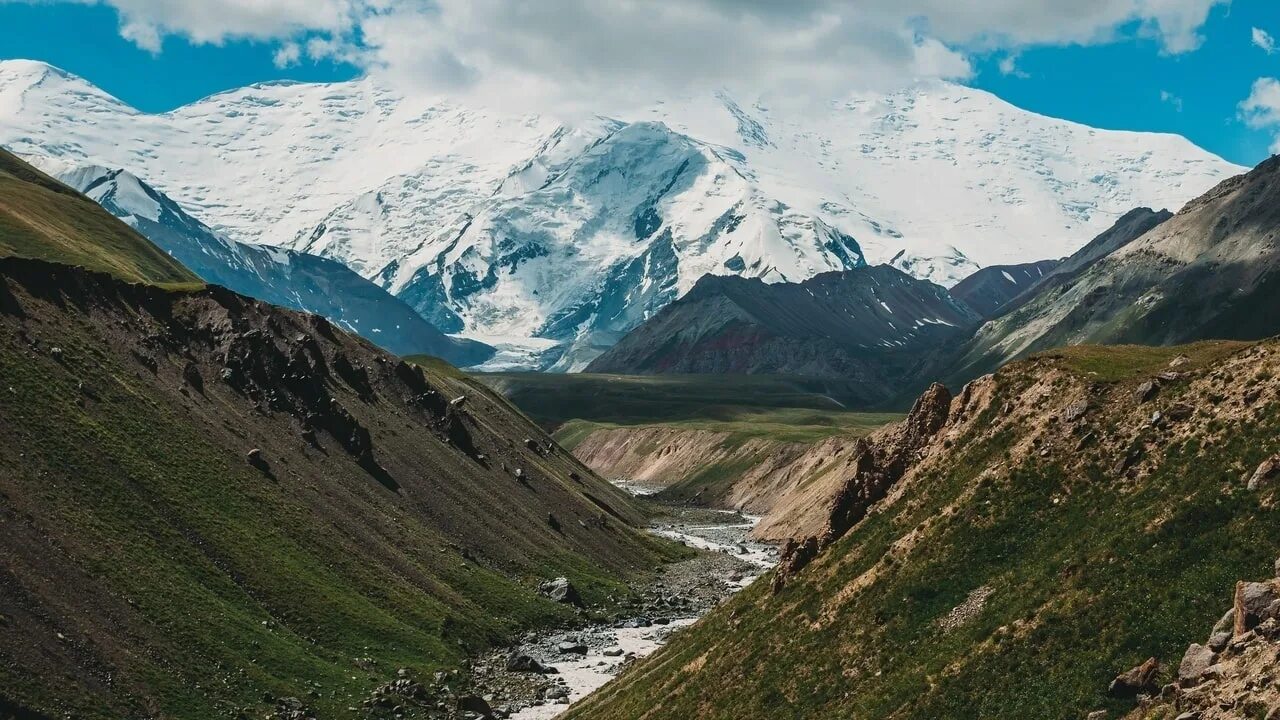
(1205, 69)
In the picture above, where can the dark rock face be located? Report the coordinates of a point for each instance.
(990, 289)
(879, 465)
(874, 326)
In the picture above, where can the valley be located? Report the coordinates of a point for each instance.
(366, 400)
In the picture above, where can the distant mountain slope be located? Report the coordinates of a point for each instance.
(988, 290)
(1211, 271)
(43, 218)
(1004, 553)
(210, 505)
(283, 277)
(549, 234)
(875, 327)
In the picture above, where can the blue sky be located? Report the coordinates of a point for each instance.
(1128, 74)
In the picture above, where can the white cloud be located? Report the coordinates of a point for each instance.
(582, 48)
(1261, 110)
(1009, 66)
(1170, 98)
(1263, 39)
(288, 55)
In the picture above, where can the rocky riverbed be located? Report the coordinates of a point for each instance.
(547, 671)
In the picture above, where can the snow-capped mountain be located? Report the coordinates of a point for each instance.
(279, 276)
(536, 229)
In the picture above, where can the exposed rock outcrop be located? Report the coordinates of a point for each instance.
(881, 461)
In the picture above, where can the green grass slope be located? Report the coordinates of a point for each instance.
(150, 568)
(555, 398)
(44, 219)
(1051, 535)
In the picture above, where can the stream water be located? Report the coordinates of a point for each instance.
(687, 591)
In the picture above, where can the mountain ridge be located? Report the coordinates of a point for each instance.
(990, 170)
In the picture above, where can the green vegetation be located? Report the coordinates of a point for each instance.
(741, 424)
(137, 543)
(553, 399)
(44, 219)
(1113, 363)
(1090, 571)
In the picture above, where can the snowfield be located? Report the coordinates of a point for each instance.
(567, 234)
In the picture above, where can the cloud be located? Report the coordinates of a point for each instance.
(288, 55)
(586, 48)
(1009, 66)
(1263, 39)
(1170, 98)
(1261, 110)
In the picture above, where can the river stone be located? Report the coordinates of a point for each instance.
(518, 662)
(572, 648)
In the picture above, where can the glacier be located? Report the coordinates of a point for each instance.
(550, 237)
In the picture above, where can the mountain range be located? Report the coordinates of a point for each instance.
(287, 278)
(552, 238)
(875, 327)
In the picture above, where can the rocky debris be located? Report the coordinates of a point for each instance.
(1140, 680)
(1265, 473)
(290, 708)
(1097, 715)
(1254, 603)
(1233, 674)
(967, 610)
(562, 591)
(878, 465)
(1146, 392)
(458, 401)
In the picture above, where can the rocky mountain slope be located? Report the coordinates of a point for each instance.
(211, 506)
(1204, 273)
(990, 289)
(1232, 674)
(874, 326)
(1006, 552)
(43, 218)
(471, 206)
(282, 277)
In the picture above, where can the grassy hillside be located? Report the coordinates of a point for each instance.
(208, 503)
(1056, 532)
(553, 399)
(42, 218)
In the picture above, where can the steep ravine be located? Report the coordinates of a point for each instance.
(777, 479)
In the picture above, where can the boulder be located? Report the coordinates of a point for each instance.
(1219, 640)
(613, 652)
(475, 704)
(518, 662)
(1147, 391)
(1265, 472)
(1195, 662)
(1139, 680)
(571, 648)
(562, 591)
(1253, 604)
